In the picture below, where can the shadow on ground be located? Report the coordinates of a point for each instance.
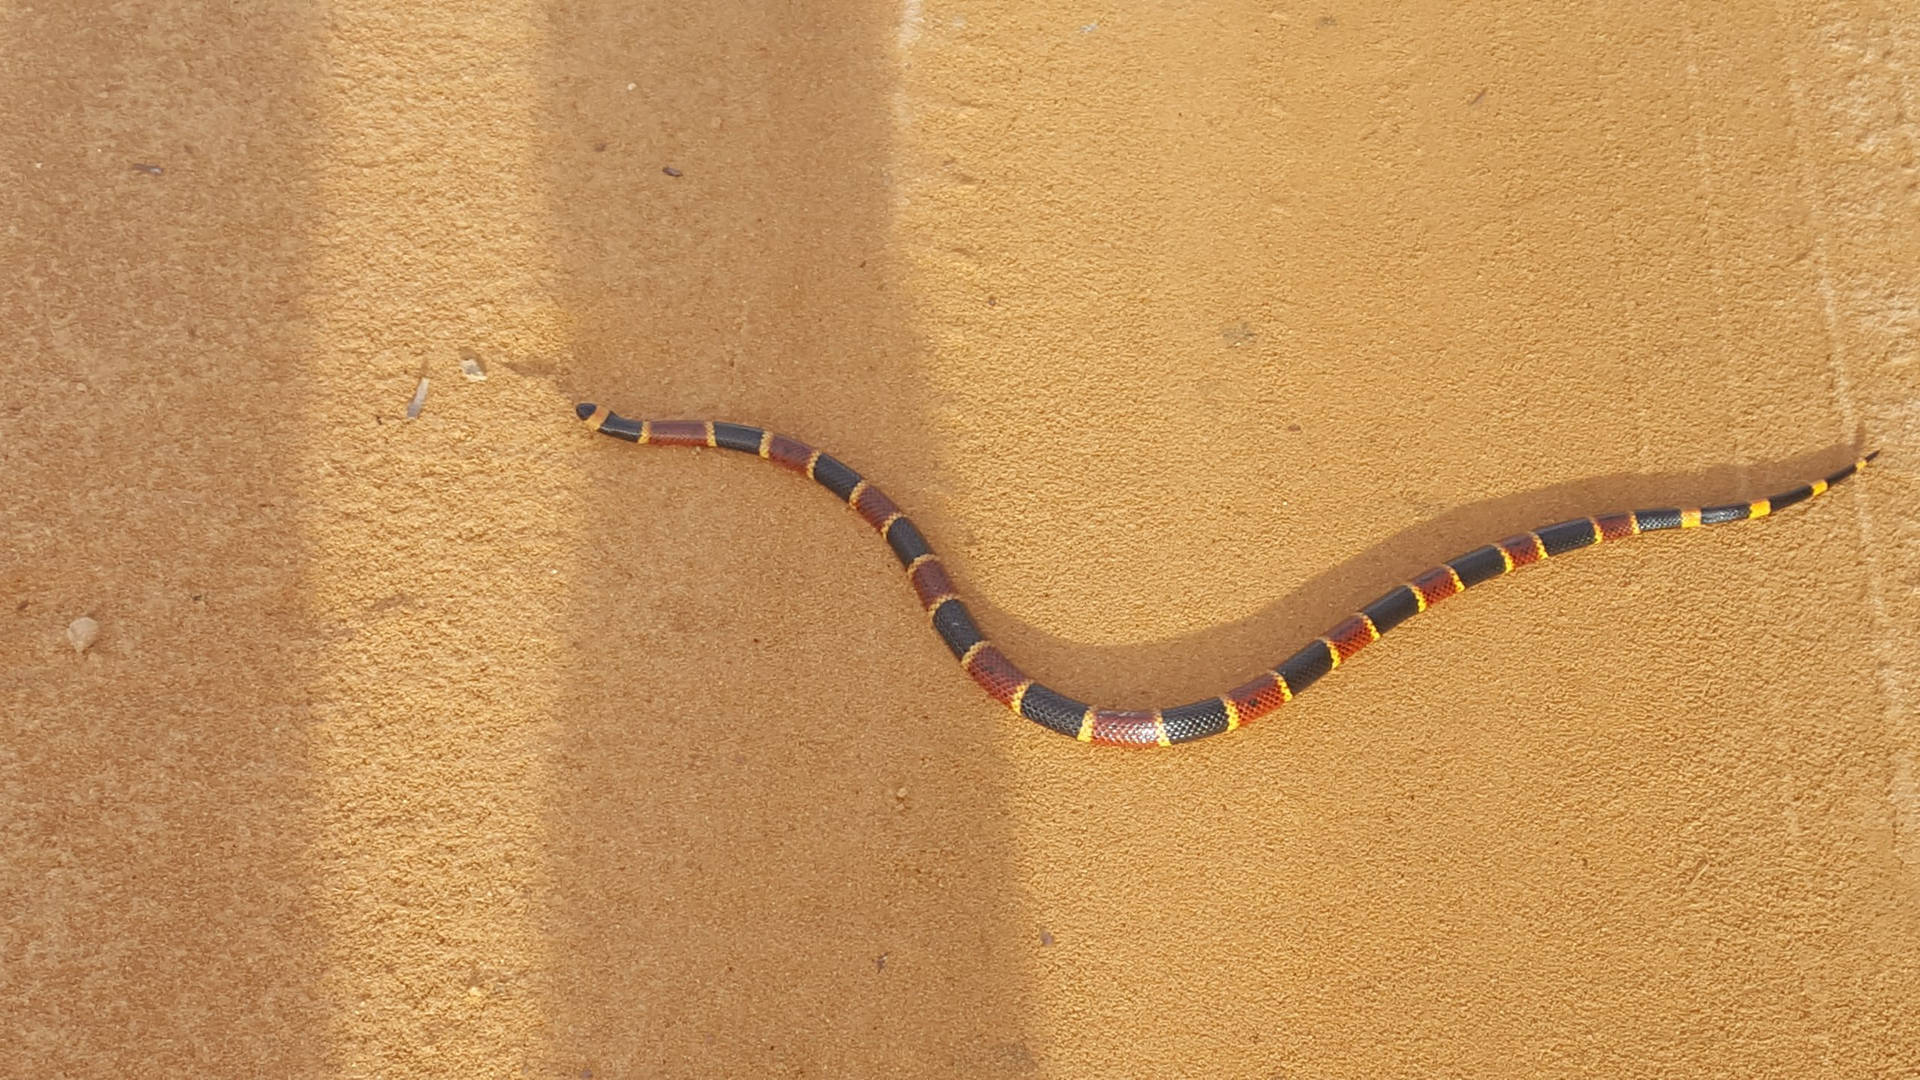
(767, 857)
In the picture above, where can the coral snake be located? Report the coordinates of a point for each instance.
(1244, 704)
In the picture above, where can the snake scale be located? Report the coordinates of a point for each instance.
(1244, 704)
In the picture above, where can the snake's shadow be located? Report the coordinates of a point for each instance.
(1170, 671)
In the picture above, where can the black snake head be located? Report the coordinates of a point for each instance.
(584, 409)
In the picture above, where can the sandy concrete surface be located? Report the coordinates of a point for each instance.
(479, 746)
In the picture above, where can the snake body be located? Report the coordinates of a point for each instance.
(1244, 704)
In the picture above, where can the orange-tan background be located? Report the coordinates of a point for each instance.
(477, 746)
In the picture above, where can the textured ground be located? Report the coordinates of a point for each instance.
(477, 746)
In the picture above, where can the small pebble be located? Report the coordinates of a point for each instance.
(670, 170)
(471, 367)
(1046, 938)
(150, 170)
(81, 633)
(419, 401)
(475, 992)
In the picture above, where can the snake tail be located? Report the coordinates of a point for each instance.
(1242, 705)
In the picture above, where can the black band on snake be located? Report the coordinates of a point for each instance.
(1244, 704)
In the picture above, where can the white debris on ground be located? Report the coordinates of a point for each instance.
(81, 633)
